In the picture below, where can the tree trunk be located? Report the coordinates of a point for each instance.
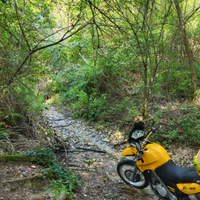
(146, 95)
(187, 48)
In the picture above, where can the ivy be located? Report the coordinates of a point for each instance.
(66, 180)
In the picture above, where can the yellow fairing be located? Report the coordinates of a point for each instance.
(129, 151)
(189, 188)
(154, 156)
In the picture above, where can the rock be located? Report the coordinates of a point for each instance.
(82, 134)
(92, 134)
(62, 196)
(106, 140)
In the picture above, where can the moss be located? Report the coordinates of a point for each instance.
(14, 158)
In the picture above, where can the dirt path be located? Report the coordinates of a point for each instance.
(97, 170)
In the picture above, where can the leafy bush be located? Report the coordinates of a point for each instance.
(190, 125)
(65, 181)
(174, 81)
(184, 127)
(13, 118)
(84, 90)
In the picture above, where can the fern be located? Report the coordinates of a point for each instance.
(3, 132)
(14, 118)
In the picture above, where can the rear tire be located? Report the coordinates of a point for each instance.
(125, 170)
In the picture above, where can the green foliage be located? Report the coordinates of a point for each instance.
(36, 103)
(84, 89)
(185, 128)
(13, 118)
(100, 68)
(27, 95)
(92, 83)
(174, 81)
(190, 125)
(92, 70)
(58, 187)
(3, 132)
(26, 28)
(65, 181)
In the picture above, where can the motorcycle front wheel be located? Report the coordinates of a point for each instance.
(125, 170)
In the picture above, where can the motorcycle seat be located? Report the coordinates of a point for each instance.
(176, 174)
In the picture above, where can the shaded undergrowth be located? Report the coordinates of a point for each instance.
(65, 180)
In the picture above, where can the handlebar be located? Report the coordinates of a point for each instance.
(152, 130)
(157, 127)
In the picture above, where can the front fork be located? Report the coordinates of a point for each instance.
(133, 173)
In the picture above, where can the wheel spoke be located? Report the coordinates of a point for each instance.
(126, 172)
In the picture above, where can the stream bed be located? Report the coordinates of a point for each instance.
(93, 157)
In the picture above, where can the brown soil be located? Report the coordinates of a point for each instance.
(22, 181)
(97, 182)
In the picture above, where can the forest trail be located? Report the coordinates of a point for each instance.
(97, 170)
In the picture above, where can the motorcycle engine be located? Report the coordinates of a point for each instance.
(160, 189)
(194, 196)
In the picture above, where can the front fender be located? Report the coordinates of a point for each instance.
(129, 151)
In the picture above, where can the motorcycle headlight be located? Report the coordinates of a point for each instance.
(137, 134)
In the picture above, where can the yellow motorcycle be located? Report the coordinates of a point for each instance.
(151, 165)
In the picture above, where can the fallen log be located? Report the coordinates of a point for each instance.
(40, 176)
(63, 125)
(60, 119)
(90, 149)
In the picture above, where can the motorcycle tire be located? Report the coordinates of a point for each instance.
(124, 170)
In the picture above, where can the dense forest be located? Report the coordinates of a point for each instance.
(104, 58)
(112, 60)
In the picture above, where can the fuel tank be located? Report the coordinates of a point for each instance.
(154, 156)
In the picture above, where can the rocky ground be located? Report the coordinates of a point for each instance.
(98, 170)
(91, 154)
(86, 156)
